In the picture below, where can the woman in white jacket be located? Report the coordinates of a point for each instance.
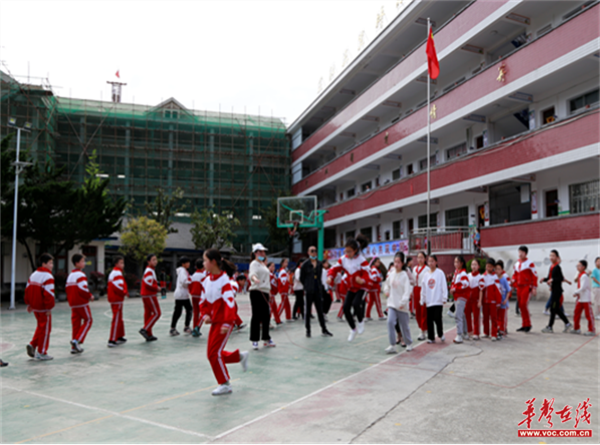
(398, 290)
(182, 298)
(434, 295)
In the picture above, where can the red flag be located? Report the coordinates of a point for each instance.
(117, 74)
(432, 60)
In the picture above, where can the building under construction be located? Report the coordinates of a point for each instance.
(234, 162)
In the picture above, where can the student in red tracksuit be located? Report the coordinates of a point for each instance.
(489, 298)
(342, 290)
(283, 287)
(39, 298)
(420, 270)
(117, 291)
(195, 290)
(525, 280)
(374, 294)
(273, 293)
(357, 268)
(219, 310)
(149, 291)
(473, 310)
(79, 297)
(583, 296)
(461, 291)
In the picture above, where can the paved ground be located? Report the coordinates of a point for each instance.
(304, 390)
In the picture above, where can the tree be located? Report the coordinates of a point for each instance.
(164, 207)
(210, 229)
(142, 236)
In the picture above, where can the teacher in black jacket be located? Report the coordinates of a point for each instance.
(555, 280)
(311, 277)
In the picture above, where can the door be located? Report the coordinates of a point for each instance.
(551, 203)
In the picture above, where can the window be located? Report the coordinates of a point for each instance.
(397, 174)
(171, 114)
(366, 187)
(350, 193)
(410, 169)
(551, 203)
(432, 221)
(457, 217)
(583, 102)
(548, 116)
(584, 197)
(368, 232)
(423, 162)
(397, 229)
(456, 151)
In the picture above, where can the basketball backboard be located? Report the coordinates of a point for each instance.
(300, 211)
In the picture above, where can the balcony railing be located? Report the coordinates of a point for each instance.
(443, 239)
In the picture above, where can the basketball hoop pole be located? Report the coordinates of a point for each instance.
(321, 236)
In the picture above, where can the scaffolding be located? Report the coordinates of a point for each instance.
(235, 162)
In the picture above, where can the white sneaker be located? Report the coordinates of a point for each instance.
(361, 327)
(546, 312)
(352, 335)
(75, 348)
(244, 360)
(409, 347)
(255, 345)
(367, 319)
(451, 314)
(476, 337)
(458, 339)
(225, 388)
(39, 356)
(270, 344)
(443, 338)
(391, 349)
(382, 318)
(467, 337)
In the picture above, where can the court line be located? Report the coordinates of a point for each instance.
(65, 429)
(112, 413)
(287, 405)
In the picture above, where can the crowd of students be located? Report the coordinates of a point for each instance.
(414, 287)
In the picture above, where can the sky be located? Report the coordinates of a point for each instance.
(241, 56)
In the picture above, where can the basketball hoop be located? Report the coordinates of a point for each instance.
(292, 230)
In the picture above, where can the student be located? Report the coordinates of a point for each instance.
(39, 298)
(555, 279)
(460, 289)
(473, 309)
(525, 280)
(311, 276)
(238, 323)
(505, 295)
(327, 290)
(342, 290)
(79, 297)
(356, 266)
(283, 286)
(596, 287)
(273, 293)
(260, 289)
(219, 310)
(298, 293)
(374, 293)
(489, 298)
(195, 290)
(398, 290)
(117, 291)
(584, 300)
(419, 272)
(149, 291)
(434, 295)
(182, 298)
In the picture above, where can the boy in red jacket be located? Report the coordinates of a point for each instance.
(195, 289)
(39, 298)
(117, 291)
(525, 280)
(79, 297)
(149, 291)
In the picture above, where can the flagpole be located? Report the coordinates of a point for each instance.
(428, 148)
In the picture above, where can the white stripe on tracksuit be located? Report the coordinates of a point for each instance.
(88, 324)
(221, 364)
(154, 319)
(118, 318)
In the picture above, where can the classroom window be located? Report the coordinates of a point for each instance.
(584, 101)
(350, 193)
(584, 197)
(457, 217)
(368, 232)
(397, 229)
(423, 162)
(366, 187)
(432, 221)
(397, 174)
(548, 116)
(410, 169)
(456, 151)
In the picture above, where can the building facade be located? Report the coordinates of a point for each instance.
(515, 140)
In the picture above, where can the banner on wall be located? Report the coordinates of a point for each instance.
(388, 248)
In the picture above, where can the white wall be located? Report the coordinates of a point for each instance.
(23, 269)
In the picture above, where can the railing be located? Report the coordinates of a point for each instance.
(443, 239)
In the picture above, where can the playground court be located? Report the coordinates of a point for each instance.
(317, 390)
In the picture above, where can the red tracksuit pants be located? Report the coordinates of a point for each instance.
(151, 313)
(274, 310)
(490, 318)
(502, 319)
(117, 328)
(420, 310)
(195, 311)
(41, 336)
(341, 312)
(523, 293)
(374, 299)
(285, 306)
(217, 357)
(472, 312)
(81, 322)
(589, 314)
